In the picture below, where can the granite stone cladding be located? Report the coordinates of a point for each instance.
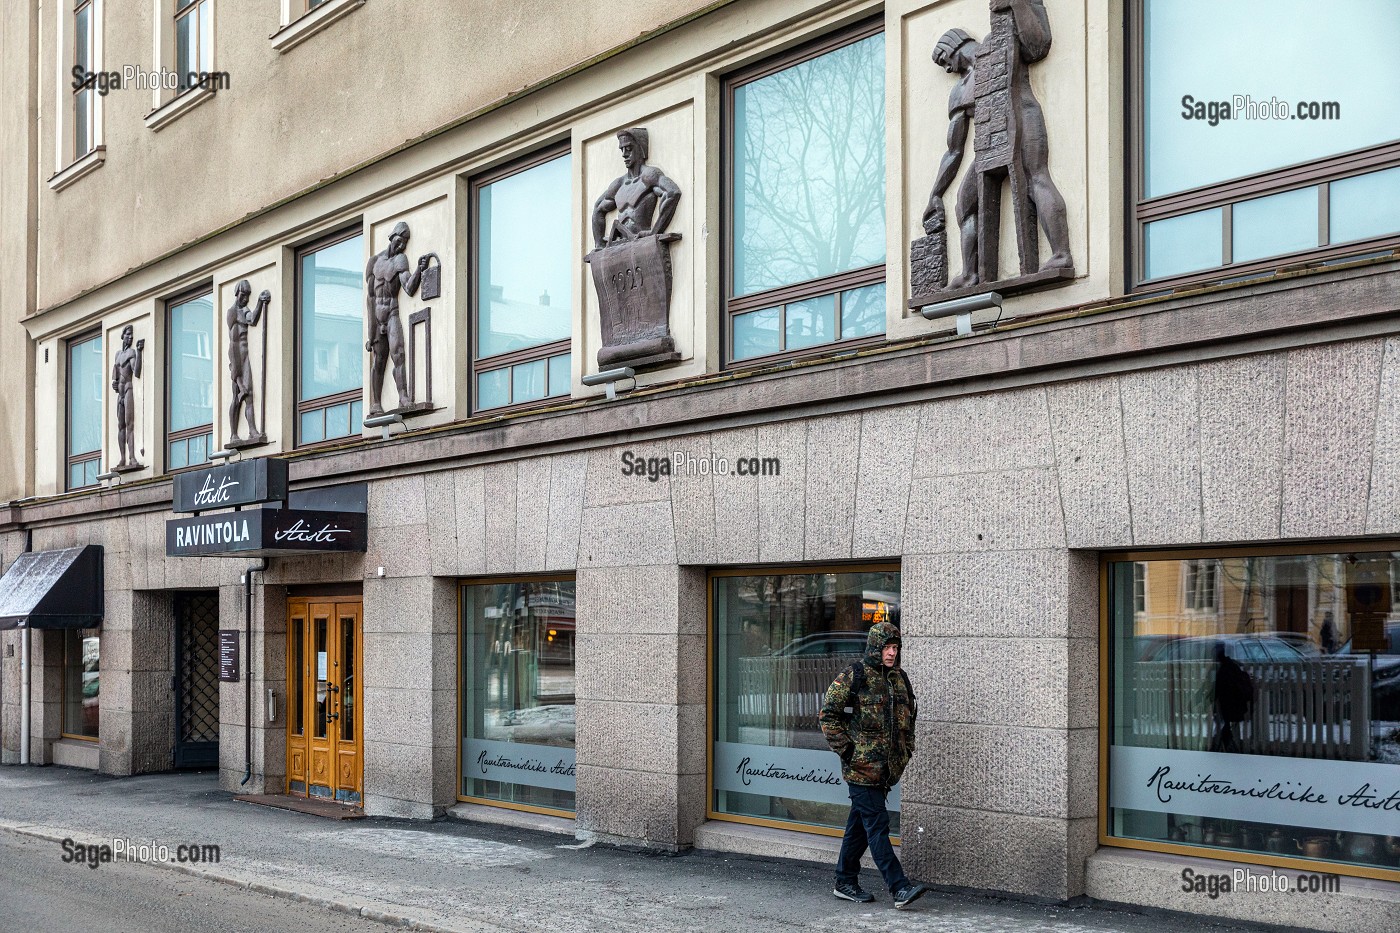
(995, 506)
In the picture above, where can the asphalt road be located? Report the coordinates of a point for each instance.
(40, 892)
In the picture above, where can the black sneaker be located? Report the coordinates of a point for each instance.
(908, 894)
(849, 891)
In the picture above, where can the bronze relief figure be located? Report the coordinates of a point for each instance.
(631, 260)
(126, 369)
(993, 101)
(386, 274)
(239, 318)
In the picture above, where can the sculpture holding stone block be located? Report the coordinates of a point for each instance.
(631, 262)
(993, 98)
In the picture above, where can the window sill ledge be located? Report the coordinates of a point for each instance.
(306, 26)
(88, 163)
(177, 107)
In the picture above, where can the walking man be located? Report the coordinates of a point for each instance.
(868, 720)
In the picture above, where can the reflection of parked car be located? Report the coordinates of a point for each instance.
(823, 644)
(1148, 646)
(1385, 674)
(1237, 647)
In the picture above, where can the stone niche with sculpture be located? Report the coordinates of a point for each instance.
(993, 103)
(631, 260)
(392, 341)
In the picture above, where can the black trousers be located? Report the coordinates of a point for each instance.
(868, 826)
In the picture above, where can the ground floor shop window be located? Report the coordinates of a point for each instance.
(779, 640)
(1264, 719)
(82, 685)
(518, 694)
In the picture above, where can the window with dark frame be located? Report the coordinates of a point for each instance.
(84, 119)
(189, 383)
(194, 39)
(82, 683)
(83, 432)
(330, 332)
(521, 292)
(1251, 156)
(804, 199)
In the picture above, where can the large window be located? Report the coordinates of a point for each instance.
(84, 447)
(82, 685)
(522, 294)
(84, 98)
(805, 198)
(517, 696)
(1267, 727)
(779, 641)
(331, 339)
(189, 408)
(1259, 149)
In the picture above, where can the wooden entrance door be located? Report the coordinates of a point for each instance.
(325, 728)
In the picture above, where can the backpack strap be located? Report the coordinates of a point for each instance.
(907, 685)
(857, 670)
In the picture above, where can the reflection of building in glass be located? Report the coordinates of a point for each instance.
(780, 641)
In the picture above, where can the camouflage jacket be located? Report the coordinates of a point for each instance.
(873, 732)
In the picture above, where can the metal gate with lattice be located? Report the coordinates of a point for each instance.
(197, 679)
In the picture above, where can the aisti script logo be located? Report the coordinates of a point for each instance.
(209, 494)
(302, 533)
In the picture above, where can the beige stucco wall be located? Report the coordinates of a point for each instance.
(18, 191)
(375, 79)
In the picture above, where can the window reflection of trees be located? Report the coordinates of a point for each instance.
(810, 153)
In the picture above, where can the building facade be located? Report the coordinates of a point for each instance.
(667, 347)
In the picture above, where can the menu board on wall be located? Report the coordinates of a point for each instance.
(1350, 796)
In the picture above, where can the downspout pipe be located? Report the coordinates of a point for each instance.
(25, 675)
(259, 567)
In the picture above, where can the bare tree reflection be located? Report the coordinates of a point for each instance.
(810, 153)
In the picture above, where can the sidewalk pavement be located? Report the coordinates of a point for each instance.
(476, 878)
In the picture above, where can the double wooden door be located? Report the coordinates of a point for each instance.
(325, 720)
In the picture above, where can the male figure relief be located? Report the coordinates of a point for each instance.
(868, 720)
(386, 273)
(125, 369)
(238, 319)
(956, 53)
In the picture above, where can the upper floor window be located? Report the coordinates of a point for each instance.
(1254, 151)
(330, 338)
(194, 40)
(84, 98)
(190, 384)
(84, 440)
(805, 198)
(522, 315)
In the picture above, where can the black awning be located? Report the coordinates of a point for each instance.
(53, 589)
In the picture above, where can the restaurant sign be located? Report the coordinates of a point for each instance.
(266, 532)
(245, 482)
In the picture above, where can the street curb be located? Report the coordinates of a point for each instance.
(262, 887)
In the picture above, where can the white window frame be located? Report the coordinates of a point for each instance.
(169, 104)
(69, 165)
(300, 21)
